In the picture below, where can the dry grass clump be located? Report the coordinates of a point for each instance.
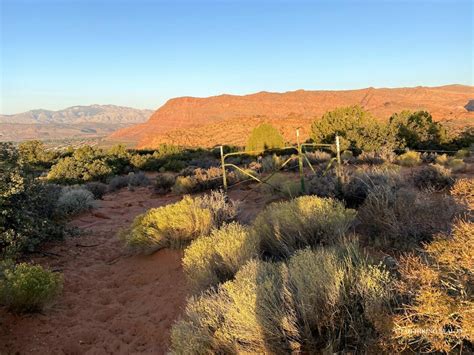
(410, 158)
(317, 300)
(456, 163)
(98, 189)
(324, 185)
(356, 186)
(433, 177)
(202, 180)
(271, 163)
(285, 227)
(28, 288)
(438, 291)
(463, 192)
(173, 226)
(404, 217)
(318, 157)
(216, 258)
(222, 208)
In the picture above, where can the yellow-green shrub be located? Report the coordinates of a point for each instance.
(318, 300)
(438, 289)
(456, 165)
(410, 158)
(28, 288)
(282, 185)
(183, 185)
(285, 227)
(463, 193)
(216, 258)
(173, 226)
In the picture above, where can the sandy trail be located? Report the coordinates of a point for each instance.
(112, 302)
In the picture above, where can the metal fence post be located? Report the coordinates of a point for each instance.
(338, 156)
(300, 161)
(224, 178)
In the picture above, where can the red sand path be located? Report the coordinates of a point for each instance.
(111, 302)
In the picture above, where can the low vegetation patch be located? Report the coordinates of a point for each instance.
(74, 200)
(213, 259)
(409, 159)
(171, 226)
(28, 288)
(267, 307)
(434, 177)
(284, 227)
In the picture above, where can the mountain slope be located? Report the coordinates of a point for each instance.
(226, 119)
(72, 122)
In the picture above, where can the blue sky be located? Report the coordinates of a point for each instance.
(140, 53)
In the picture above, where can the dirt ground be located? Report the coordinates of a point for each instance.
(112, 302)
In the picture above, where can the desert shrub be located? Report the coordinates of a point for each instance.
(347, 156)
(98, 189)
(184, 185)
(138, 179)
(28, 207)
(357, 185)
(28, 288)
(74, 200)
(438, 289)
(404, 217)
(173, 165)
(463, 153)
(285, 227)
(201, 180)
(317, 300)
(263, 137)
(429, 158)
(463, 192)
(456, 165)
(318, 157)
(86, 164)
(118, 182)
(282, 186)
(372, 158)
(164, 182)
(442, 159)
(35, 154)
(358, 130)
(173, 226)
(271, 163)
(410, 158)
(222, 208)
(324, 185)
(416, 130)
(216, 258)
(432, 177)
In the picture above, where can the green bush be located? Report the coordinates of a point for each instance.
(410, 158)
(416, 130)
(34, 153)
(74, 200)
(216, 258)
(284, 227)
(330, 298)
(28, 288)
(358, 130)
(173, 226)
(264, 137)
(86, 164)
(433, 176)
(28, 207)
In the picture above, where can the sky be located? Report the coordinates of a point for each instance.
(138, 53)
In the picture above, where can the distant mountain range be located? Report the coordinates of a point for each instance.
(72, 122)
(229, 119)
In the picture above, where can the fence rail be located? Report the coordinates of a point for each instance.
(302, 158)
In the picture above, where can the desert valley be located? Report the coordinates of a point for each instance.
(236, 177)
